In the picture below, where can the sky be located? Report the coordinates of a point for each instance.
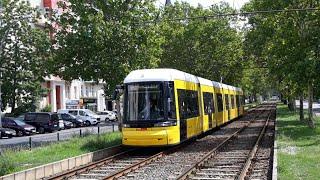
(206, 3)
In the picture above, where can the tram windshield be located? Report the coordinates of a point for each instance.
(145, 102)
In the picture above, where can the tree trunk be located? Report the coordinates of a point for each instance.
(13, 95)
(310, 101)
(291, 103)
(301, 107)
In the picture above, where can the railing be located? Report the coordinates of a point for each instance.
(29, 142)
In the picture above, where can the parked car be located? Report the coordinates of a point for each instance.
(61, 124)
(43, 121)
(19, 126)
(87, 116)
(6, 132)
(67, 124)
(108, 115)
(77, 122)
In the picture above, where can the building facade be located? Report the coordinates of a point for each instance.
(76, 94)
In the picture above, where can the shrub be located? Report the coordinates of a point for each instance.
(48, 108)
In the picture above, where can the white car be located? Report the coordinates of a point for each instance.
(107, 115)
(86, 115)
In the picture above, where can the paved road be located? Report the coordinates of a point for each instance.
(42, 139)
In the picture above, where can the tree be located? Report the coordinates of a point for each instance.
(209, 48)
(104, 39)
(288, 44)
(24, 51)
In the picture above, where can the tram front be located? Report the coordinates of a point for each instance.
(149, 114)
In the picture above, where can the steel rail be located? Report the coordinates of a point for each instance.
(120, 173)
(79, 170)
(213, 152)
(135, 166)
(88, 167)
(252, 153)
(146, 161)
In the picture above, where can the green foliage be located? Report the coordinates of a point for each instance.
(286, 43)
(108, 39)
(208, 48)
(47, 108)
(103, 40)
(5, 165)
(24, 51)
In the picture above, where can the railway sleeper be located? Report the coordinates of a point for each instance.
(220, 169)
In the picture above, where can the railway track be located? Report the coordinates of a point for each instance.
(233, 158)
(115, 166)
(127, 164)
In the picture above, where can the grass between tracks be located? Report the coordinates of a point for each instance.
(299, 146)
(12, 161)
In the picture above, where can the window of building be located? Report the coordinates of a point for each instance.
(82, 90)
(75, 92)
(91, 91)
(227, 101)
(68, 91)
(87, 91)
(208, 103)
(219, 102)
(188, 103)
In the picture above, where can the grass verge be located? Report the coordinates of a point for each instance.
(299, 146)
(12, 161)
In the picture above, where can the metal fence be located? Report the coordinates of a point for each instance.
(29, 142)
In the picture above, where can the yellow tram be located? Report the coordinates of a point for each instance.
(167, 106)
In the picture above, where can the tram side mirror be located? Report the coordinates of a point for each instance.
(118, 90)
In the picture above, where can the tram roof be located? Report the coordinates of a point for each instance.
(144, 75)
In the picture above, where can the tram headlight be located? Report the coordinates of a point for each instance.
(165, 124)
(126, 125)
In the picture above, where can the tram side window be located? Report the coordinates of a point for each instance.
(188, 103)
(208, 103)
(227, 101)
(232, 102)
(171, 102)
(238, 100)
(219, 102)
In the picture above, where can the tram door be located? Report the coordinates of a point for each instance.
(210, 110)
(210, 119)
(183, 129)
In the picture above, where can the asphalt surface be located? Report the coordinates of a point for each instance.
(43, 139)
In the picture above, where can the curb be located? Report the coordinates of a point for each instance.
(50, 169)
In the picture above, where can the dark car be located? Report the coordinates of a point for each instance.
(67, 124)
(19, 126)
(71, 118)
(6, 132)
(43, 121)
